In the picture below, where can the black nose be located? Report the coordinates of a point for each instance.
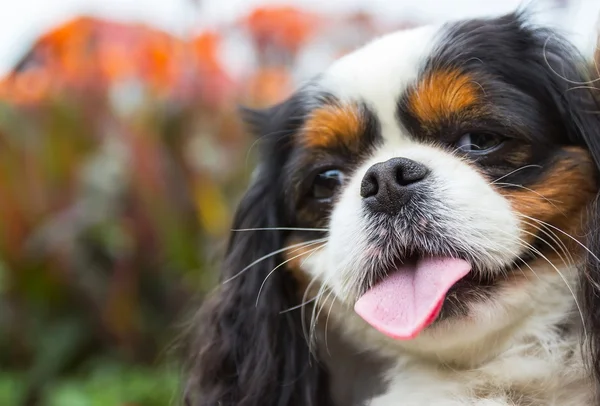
(389, 185)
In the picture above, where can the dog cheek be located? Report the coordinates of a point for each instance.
(559, 199)
(296, 258)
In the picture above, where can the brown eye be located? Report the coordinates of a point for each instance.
(326, 184)
(479, 143)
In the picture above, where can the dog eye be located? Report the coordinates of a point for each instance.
(326, 183)
(479, 143)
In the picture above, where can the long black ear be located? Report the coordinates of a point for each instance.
(588, 121)
(574, 86)
(247, 352)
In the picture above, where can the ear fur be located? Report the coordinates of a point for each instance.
(575, 91)
(247, 352)
(588, 121)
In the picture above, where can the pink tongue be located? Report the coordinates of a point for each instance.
(410, 298)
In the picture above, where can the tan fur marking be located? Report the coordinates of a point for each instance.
(333, 125)
(295, 258)
(442, 93)
(520, 156)
(560, 198)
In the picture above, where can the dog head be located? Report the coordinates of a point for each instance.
(432, 189)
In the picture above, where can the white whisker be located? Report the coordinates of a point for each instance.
(556, 240)
(515, 171)
(298, 306)
(566, 234)
(327, 321)
(532, 191)
(566, 282)
(301, 245)
(313, 319)
(279, 266)
(305, 330)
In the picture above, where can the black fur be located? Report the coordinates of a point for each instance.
(248, 353)
(251, 354)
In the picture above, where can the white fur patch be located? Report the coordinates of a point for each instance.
(393, 59)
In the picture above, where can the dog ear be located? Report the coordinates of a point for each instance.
(246, 350)
(574, 86)
(589, 296)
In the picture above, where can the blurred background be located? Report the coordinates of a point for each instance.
(122, 158)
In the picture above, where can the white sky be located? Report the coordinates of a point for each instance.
(21, 21)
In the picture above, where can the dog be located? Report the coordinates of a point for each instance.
(421, 229)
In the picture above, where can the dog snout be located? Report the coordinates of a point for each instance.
(389, 185)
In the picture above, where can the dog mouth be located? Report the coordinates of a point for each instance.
(411, 295)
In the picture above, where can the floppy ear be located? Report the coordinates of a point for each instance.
(576, 92)
(590, 279)
(247, 352)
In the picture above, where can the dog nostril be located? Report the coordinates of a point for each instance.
(369, 185)
(401, 179)
(410, 172)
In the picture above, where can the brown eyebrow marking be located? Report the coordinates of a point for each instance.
(442, 93)
(334, 125)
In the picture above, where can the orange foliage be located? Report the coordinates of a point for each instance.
(89, 56)
(206, 50)
(90, 53)
(27, 87)
(269, 85)
(219, 87)
(285, 26)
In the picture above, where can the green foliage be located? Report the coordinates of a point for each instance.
(111, 384)
(106, 235)
(12, 388)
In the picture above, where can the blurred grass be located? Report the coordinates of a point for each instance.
(105, 384)
(114, 384)
(121, 159)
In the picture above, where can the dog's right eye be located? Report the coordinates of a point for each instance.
(326, 183)
(479, 143)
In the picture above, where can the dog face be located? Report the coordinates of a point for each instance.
(431, 187)
(451, 148)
